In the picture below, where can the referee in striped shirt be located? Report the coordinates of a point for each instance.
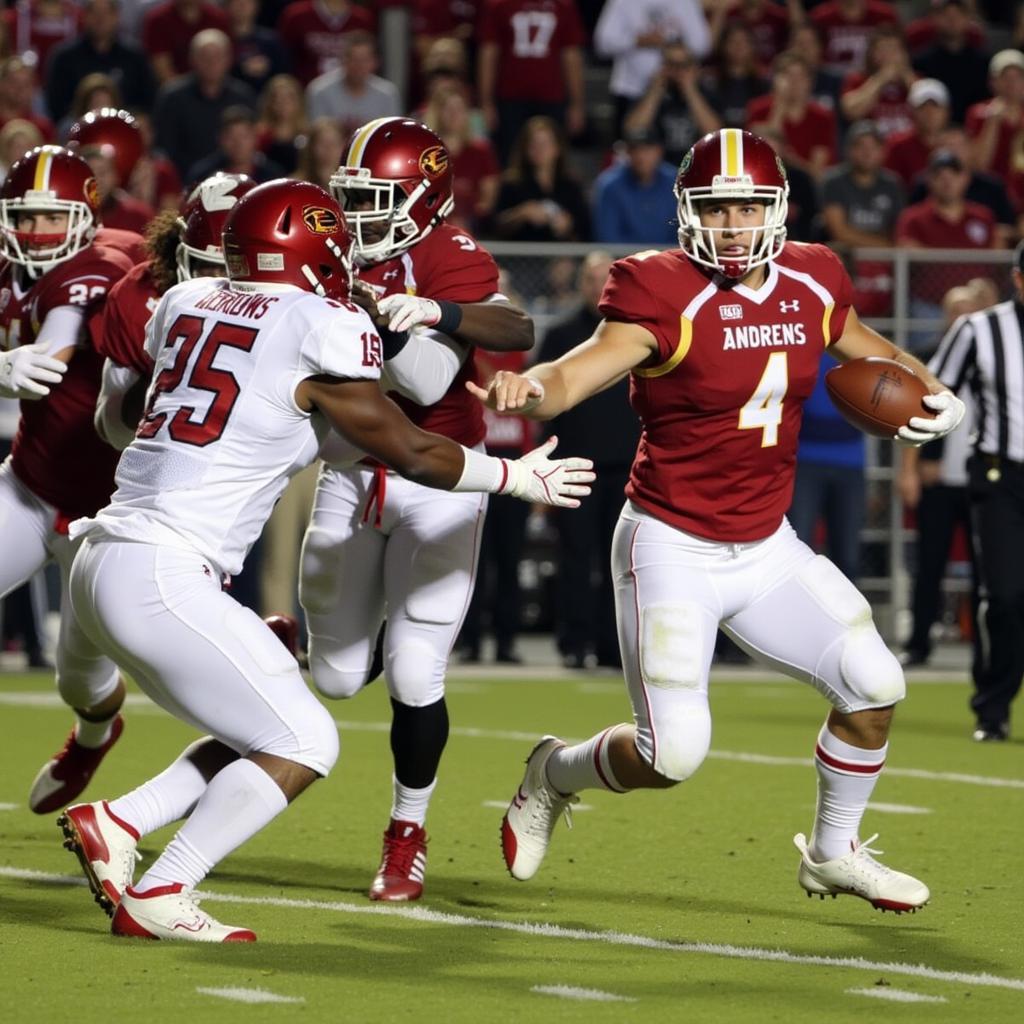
(985, 351)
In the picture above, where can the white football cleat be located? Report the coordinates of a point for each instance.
(171, 912)
(859, 874)
(105, 847)
(533, 813)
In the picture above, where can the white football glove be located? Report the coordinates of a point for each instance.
(25, 372)
(922, 429)
(408, 311)
(540, 480)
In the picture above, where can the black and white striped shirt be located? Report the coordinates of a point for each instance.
(985, 351)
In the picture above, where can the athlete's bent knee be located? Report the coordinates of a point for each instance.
(333, 680)
(319, 579)
(681, 745)
(84, 684)
(869, 669)
(415, 672)
(311, 739)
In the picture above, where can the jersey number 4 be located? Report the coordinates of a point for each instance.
(188, 331)
(763, 410)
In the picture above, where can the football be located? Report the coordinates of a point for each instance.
(876, 395)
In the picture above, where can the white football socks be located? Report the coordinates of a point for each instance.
(93, 734)
(167, 797)
(239, 801)
(846, 779)
(585, 765)
(408, 804)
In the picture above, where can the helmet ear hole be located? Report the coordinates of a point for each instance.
(284, 225)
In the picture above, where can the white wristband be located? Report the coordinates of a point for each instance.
(481, 472)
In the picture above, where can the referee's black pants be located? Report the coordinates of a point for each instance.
(996, 493)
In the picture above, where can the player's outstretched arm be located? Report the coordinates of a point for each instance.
(26, 372)
(119, 404)
(364, 416)
(859, 341)
(495, 325)
(550, 389)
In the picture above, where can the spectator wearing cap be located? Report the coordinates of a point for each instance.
(826, 85)
(846, 27)
(353, 94)
(946, 219)
(996, 127)
(861, 202)
(541, 76)
(541, 200)
(907, 152)
(984, 189)
(633, 200)
(237, 151)
(880, 91)
(314, 31)
(954, 54)
(733, 77)
(631, 33)
(675, 104)
(168, 31)
(809, 129)
(187, 115)
(98, 51)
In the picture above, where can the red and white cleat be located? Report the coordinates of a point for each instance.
(68, 772)
(859, 874)
(403, 863)
(171, 912)
(105, 847)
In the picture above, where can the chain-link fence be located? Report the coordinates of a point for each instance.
(898, 292)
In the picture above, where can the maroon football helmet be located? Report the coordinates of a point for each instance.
(47, 179)
(114, 133)
(730, 165)
(289, 232)
(394, 186)
(201, 223)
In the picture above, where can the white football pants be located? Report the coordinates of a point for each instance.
(786, 606)
(28, 542)
(409, 553)
(161, 614)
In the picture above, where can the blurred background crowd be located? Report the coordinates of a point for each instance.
(901, 125)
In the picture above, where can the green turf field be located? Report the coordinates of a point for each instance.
(679, 906)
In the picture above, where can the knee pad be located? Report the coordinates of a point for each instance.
(869, 669)
(415, 672)
(333, 678)
(311, 738)
(672, 646)
(679, 745)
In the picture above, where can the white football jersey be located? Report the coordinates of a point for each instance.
(222, 435)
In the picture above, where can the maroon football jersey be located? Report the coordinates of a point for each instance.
(448, 264)
(722, 400)
(122, 335)
(57, 453)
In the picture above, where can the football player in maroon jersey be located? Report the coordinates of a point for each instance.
(722, 338)
(54, 277)
(376, 540)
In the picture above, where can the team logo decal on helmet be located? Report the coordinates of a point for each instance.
(202, 222)
(92, 192)
(434, 161)
(320, 220)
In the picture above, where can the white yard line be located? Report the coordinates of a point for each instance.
(898, 808)
(140, 703)
(424, 915)
(593, 995)
(895, 995)
(8, 807)
(249, 995)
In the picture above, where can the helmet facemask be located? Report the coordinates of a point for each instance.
(38, 251)
(383, 226)
(698, 241)
(192, 261)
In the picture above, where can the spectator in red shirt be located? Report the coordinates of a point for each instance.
(997, 126)
(808, 128)
(37, 26)
(945, 220)
(923, 32)
(437, 19)
(313, 32)
(768, 23)
(907, 152)
(530, 64)
(167, 31)
(477, 174)
(826, 86)
(18, 89)
(846, 27)
(879, 92)
(118, 209)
